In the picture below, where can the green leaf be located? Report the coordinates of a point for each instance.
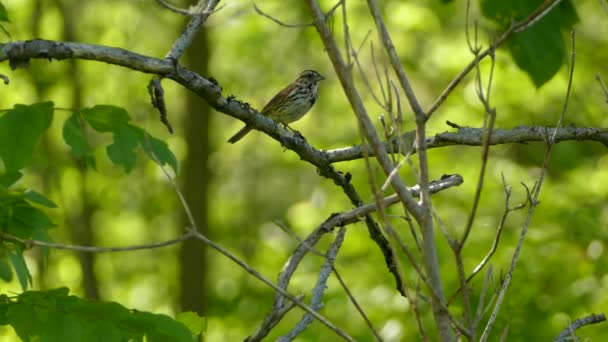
(23, 319)
(20, 130)
(39, 198)
(161, 327)
(121, 152)
(73, 135)
(32, 217)
(195, 323)
(540, 49)
(102, 331)
(23, 273)
(56, 316)
(156, 149)
(6, 273)
(62, 328)
(105, 118)
(3, 13)
(10, 178)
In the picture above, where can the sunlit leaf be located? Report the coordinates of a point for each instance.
(39, 198)
(195, 323)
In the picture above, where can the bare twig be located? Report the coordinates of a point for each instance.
(533, 202)
(276, 315)
(174, 9)
(423, 213)
(268, 16)
(28, 243)
(568, 333)
(281, 23)
(199, 15)
(193, 229)
(457, 247)
(599, 80)
(357, 306)
(319, 289)
(541, 11)
(267, 281)
(507, 210)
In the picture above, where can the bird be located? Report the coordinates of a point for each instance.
(291, 103)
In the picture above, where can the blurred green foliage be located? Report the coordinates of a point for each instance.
(562, 274)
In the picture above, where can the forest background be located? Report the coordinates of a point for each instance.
(253, 197)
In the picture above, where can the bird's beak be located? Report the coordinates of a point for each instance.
(320, 78)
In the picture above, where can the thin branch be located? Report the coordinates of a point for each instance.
(499, 230)
(533, 201)
(28, 243)
(199, 16)
(597, 77)
(568, 333)
(193, 229)
(281, 23)
(352, 299)
(268, 282)
(470, 136)
(423, 212)
(174, 9)
(268, 16)
(541, 11)
(319, 289)
(457, 247)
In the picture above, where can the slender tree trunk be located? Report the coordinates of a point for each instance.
(80, 222)
(196, 178)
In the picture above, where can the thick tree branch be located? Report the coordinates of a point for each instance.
(19, 54)
(568, 333)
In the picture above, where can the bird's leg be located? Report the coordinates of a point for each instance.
(297, 133)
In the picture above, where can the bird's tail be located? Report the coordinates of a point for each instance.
(240, 134)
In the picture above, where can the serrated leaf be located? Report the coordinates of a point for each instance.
(20, 267)
(540, 49)
(195, 323)
(10, 178)
(105, 118)
(20, 130)
(36, 197)
(3, 13)
(156, 149)
(73, 135)
(121, 151)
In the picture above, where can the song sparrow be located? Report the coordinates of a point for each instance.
(291, 103)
